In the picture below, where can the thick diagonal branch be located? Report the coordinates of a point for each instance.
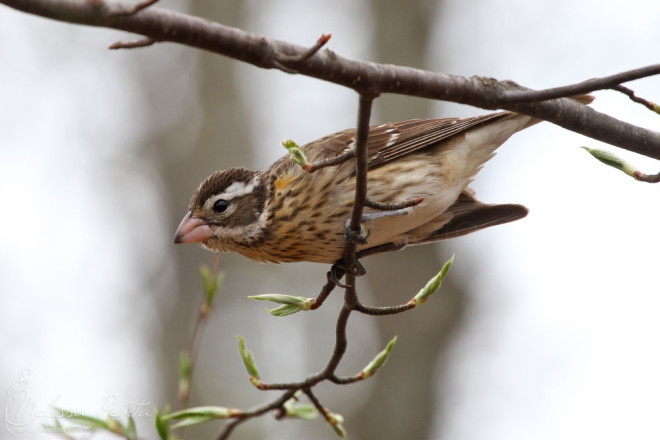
(364, 77)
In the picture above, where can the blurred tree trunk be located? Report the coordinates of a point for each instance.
(221, 142)
(404, 395)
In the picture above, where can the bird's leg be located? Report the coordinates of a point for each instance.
(370, 216)
(361, 237)
(335, 274)
(355, 237)
(338, 270)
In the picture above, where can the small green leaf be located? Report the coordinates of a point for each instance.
(283, 310)
(200, 414)
(115, 425)
(212, 283)
(378, 361)
(290, 304)
(433, 285)
(335, 421)
(612, 160)
(162, 426)
(294, 409)
(296, 153)
(191, 421)
(185, 367)
(87, 421)
(248, 360)
(131, 429)
(303, 411)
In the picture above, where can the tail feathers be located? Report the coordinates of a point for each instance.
(467, 215)
(470, 215)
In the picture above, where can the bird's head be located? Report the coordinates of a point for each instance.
(226, 211)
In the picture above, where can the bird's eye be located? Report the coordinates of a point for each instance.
(220, 206)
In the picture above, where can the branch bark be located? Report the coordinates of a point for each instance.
(367, 78)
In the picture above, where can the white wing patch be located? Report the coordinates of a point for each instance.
(393, 137)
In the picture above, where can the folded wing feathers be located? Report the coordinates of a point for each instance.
(417, 134)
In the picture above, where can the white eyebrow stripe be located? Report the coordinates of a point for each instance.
(238, 189)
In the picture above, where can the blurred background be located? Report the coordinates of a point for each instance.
(546, 328)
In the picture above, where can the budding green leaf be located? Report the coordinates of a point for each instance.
(161, 426)
(185, 367)
(212, 283)
(184, 364)
(248, 361)
(200, 414)
(612, 160)
(131, 429)
(87, 421)
(294, 409)
(297, 154)
(433, 285)
(378, 361)
(336, 420)
(113, 424)
(303, 411)
(290, 304)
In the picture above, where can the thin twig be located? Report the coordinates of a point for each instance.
(143, 42)
(281, 60)
(334, 160)
(590, 85)
(650, 178)
(135, 8)
(631, 94)
(254, 412)
(325, 292)
(345, 380)
(317, 404)
(300, 57)
(387, 310)
(361, 143)
(203, 314)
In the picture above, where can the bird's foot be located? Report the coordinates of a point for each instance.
(339, 269)
(355, 237)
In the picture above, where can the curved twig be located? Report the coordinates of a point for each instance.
(590, 85)
(631, 94)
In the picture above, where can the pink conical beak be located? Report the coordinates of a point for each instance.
(192, 230)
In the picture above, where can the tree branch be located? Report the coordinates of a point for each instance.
(606, 82)
(365, 77)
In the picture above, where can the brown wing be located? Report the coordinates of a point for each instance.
(391, 141)
(388, 142)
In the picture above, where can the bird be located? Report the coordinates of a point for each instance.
(286, 214)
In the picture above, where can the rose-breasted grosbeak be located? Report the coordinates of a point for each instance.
(284, 213)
